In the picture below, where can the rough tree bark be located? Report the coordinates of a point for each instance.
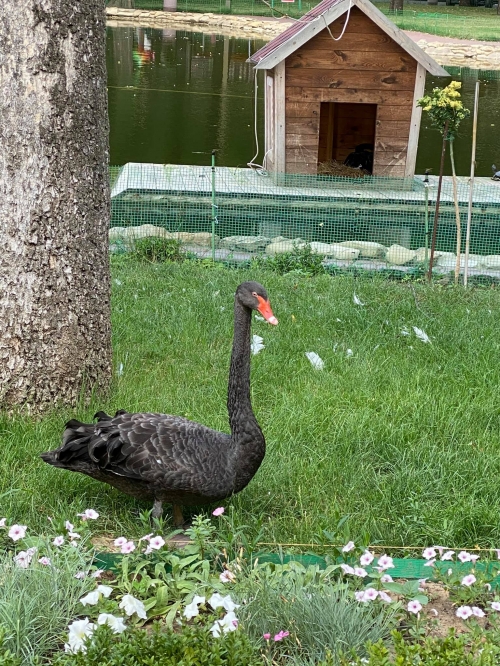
(54, 203)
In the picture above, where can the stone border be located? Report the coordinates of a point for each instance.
(464, 54)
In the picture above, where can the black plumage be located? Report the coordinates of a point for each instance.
(169, 458)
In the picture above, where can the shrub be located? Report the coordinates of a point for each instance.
(194, 646)
(300, 261)
(158, 249)
(452, 650)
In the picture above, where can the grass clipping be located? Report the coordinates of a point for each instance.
(334, 168)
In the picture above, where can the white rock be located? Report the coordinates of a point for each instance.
(203, 238)
(285, 246)
(117, 233)
(449, 260)
(491, 261)
(146, 231)
(326, 249)
(366, 248)
(420, 254)
(245, 242)
(341, 252)
(399, 255)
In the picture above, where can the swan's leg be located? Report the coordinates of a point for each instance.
(157, 509)
(178, 517)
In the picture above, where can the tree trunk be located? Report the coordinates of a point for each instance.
(396, 5)
(457, 213)
(54, 203)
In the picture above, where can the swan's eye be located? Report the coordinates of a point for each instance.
(254, 293)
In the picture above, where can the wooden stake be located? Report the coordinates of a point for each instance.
(457, 213)
(471, 183)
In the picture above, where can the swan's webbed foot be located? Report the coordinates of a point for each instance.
(157, 511)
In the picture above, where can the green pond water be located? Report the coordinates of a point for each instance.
(174, 96)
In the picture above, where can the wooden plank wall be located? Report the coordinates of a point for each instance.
(366, 66)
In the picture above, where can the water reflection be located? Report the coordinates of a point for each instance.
(175, 95)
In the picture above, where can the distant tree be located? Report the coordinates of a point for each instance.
(54, 203)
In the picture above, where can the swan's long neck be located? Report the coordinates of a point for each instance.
(247, 437)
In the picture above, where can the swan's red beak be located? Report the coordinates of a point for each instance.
(265, 310)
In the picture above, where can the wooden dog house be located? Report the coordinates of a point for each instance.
(342, 76)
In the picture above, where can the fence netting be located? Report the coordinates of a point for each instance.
(370, 223)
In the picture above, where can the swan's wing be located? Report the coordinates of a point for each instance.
(148, 447)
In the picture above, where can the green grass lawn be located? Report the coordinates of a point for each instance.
(403, 437)
(481, 23)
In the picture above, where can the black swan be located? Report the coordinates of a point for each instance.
(168, 458)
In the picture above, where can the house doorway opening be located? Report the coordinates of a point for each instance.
(346, 136)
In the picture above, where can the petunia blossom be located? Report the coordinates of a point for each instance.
(385, 562)
(218, 511)
(69, 526)
(120, 541)
(430, 563)
(358, 571)
(90, 599)
(429, 553)
(191, 610)
(346, 568)
(414, 606)
(496, 605)
(105, 590)
(478, 612)
(97, 573)
(468, 580)
(384, 596)
(88, 514)
(74, 535)
(227, 576)
(127, 547)
(370, 594)
(45, 561)
(116, 624)
(2, 522)
(464, 556)
(464, 612)
(78, 632)
(156, 542)
(348, 547)
(17, 532)
(228, 623)
(132, 605)
(448, 555)
(58, 541)
(386, 578)
(80, 575)
(366, 558)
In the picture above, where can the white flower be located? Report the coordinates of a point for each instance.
(386, 578)
(348, 547)
(45, 561)
(74, 535)
(80, 575)
(69, 526)
(90, 599)
(97, 573)
(464, 556)
(384, 596)
(191, 610)
(448, 555)
(132, 605)
(17, 532)
(2, 522)
(414, 606)
(496, 605)
(121, 541)
(385, 562)
(156, 542)
(217, 600)
(78, 631)
(105, 590)
(366, 558)
(116, 624)
(227, 576)
(88, 514)
(198, 600)
(358, 571)
(464, 612)
(22, 559)
(146, 537)
(429, 553)
(478, 612)
(346, 568)
(58, 541)
(127, 547)
(316, 362)
(257, 344)
(370, 594)
(228, 623)
(430, 563)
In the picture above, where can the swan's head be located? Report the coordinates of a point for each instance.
(253, 295)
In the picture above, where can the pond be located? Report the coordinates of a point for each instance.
(175, 95)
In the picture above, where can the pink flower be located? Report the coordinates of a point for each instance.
(366, 558)
(358, 571)
(474, 558)
(45, 561)
(496, 605)
(74, 535)
(422, 581)
(97, 573)
(218, 512)
(266, 636)
(349, 546)
(17, 532)
(478, 612)
(156, 542)
(281, 635)
(360, 595)
(384, 596)
(88, 514)
(386, 578)
(58, 541)
(80, 575)
(69, 526)
(430, 563)
(370, 594)
(347, 569)
(2, 522)
(146, 537)
(464, 556)
(468, 580)
(464, 612)
(429, 553)
(448, 555)
(227, 576)
(414, 606)
(385, 562)
(121, 541)
(497, 551)
(127, 547)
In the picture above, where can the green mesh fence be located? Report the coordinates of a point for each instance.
(370, 223)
